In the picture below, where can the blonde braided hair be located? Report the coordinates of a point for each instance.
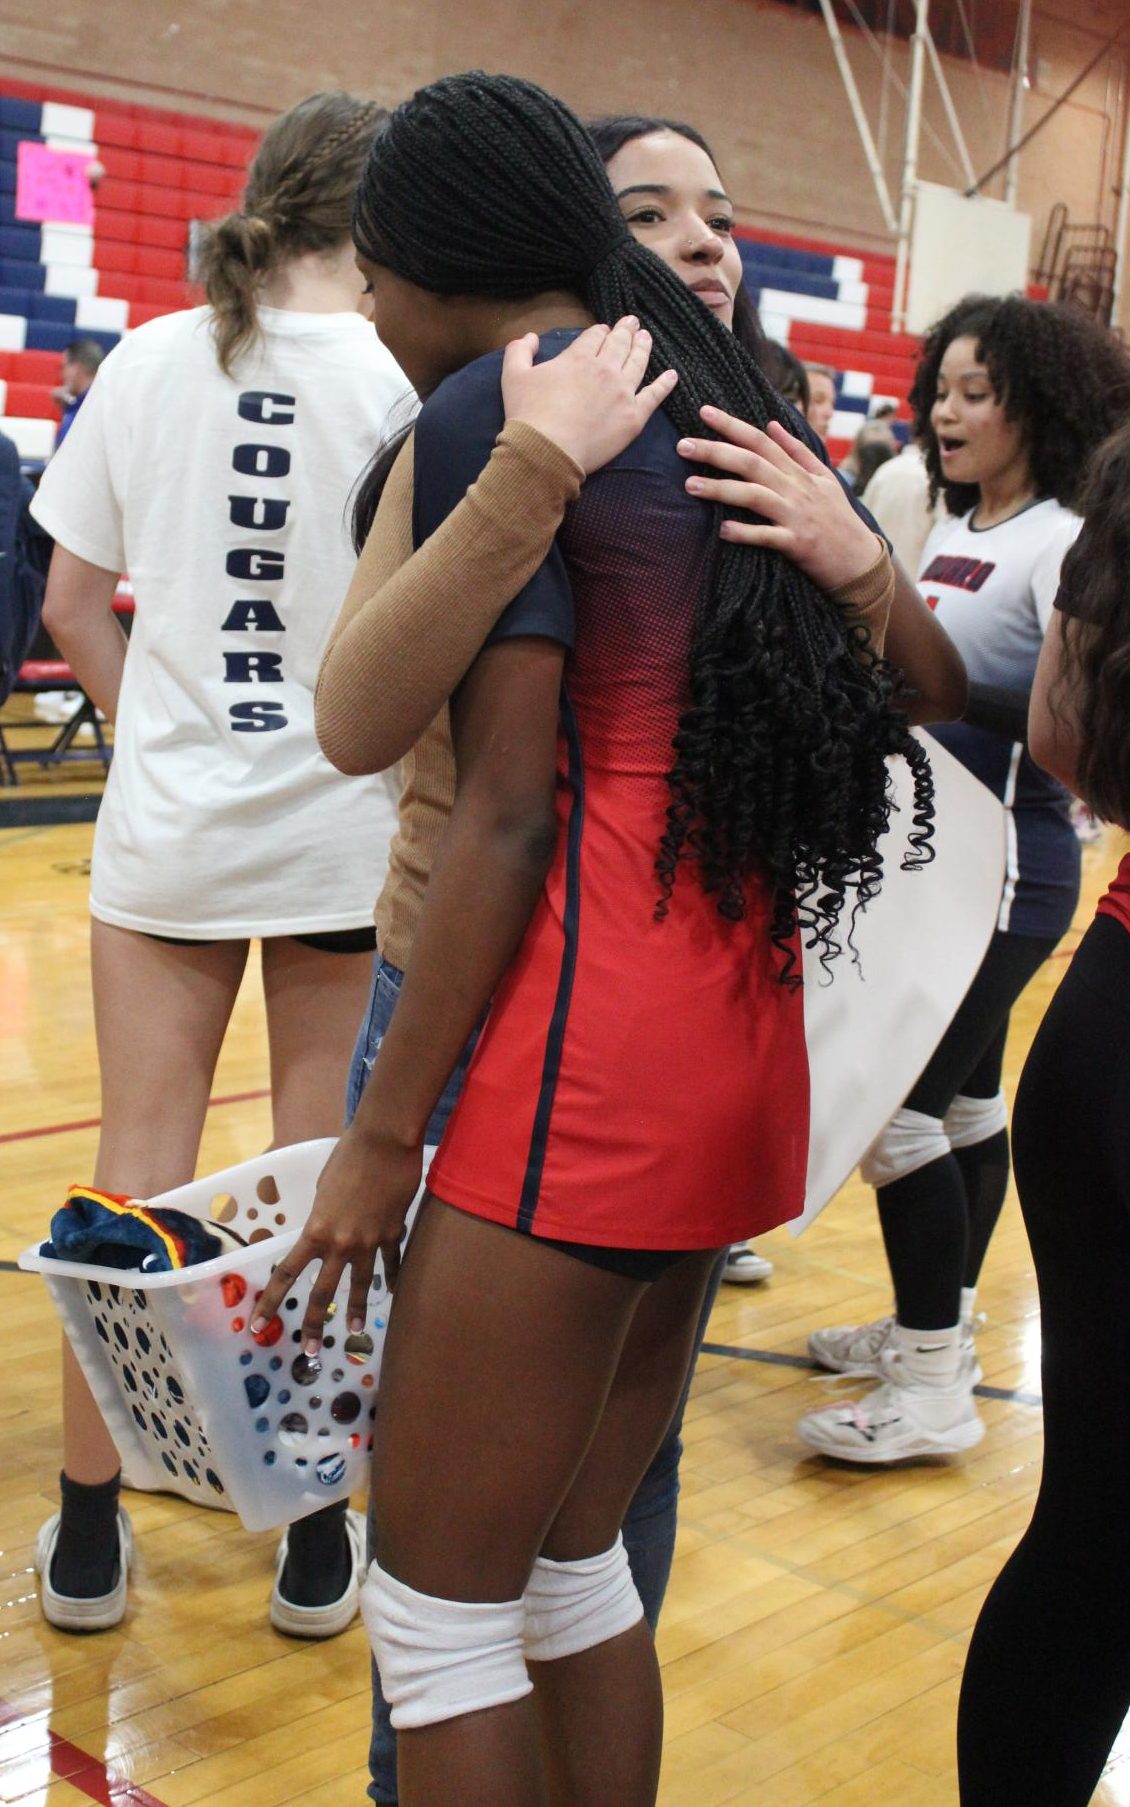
(298, 199)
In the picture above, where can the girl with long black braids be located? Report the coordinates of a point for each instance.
(1047, 1684)
(398, 638)
(637, 1097)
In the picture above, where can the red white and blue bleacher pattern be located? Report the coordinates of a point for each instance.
(58, 283)
(831, 307)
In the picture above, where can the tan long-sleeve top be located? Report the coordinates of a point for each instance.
(414, 620)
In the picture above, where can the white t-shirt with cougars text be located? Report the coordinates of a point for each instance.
(226, 500)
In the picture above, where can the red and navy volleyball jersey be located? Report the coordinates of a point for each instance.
(639, 1083)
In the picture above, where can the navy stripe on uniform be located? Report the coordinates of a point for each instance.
(551, 1066)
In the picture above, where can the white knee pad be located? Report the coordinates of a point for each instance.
(911, 1140)
(972, 1120)
(440, 1658)
(572, 1606)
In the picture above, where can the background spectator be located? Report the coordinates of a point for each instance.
(898, 495)
(25, 551)
(81, 359)
(821, 398)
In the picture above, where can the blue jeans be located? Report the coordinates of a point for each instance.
(649, 1526)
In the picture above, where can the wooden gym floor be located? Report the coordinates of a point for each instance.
(816, 1624)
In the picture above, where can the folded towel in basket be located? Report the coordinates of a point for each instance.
(106, 1229)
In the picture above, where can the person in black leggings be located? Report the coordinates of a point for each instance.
(1007, 440)
(1047, 1684)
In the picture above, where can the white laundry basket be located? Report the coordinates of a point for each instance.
(195, 1405)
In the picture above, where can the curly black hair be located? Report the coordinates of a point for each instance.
(1095, 603)
(487, 185)
(1059, 374)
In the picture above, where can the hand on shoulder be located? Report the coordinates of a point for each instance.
(796, 504)
(588, 400)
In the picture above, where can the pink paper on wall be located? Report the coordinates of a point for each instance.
(52, 185)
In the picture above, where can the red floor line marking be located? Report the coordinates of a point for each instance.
(61, 1129)
(86, 1773)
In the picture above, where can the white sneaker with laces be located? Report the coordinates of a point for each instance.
(858, 1348)
(69, 1612)
(851, 1348)
(322, 1621)
(744, 1265)
(899, 1420)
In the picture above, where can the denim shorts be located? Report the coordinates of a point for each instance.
(383, 996)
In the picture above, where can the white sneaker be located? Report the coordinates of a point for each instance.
(744, 1265)
(56, 706)
(898, 1421)
(68, 1612)
(322, 1621)
(851, 1348)
(858, 1348)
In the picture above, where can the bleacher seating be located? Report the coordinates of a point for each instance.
(164, 170)
(831, 307)
(81, 722)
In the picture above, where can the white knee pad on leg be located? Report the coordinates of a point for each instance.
(972, 1120)
(572, 1606)
(911, 1140)
(440, 1658)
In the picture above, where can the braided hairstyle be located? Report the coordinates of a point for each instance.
(298, 199)
(486, 185)
(1058, 373)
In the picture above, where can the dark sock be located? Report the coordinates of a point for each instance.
(318, 1563)
(926, 1232)
(86, 1561)
(984, 1168)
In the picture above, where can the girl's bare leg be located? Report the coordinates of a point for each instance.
(160, 1012)
(501, 1359)
(315, 1003)
(601, 1711)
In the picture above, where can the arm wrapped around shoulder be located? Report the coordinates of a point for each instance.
(413, 621)
(866, 600)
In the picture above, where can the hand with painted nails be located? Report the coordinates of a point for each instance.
(360, 1206)
(801, 506)
(588, 399)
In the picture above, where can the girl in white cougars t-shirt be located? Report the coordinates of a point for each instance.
(213, 460)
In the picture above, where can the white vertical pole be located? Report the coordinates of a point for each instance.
(910, 161)
(1016, 108)
(873, 162)
(951, 110)
(1121, 251)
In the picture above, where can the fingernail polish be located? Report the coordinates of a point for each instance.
(312, 1345)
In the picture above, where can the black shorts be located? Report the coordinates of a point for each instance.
(336, 941)
(630, 1264)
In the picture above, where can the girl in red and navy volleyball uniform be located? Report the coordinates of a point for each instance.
(670, 756)
(640, 1084)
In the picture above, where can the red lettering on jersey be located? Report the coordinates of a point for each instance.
(959, 573)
